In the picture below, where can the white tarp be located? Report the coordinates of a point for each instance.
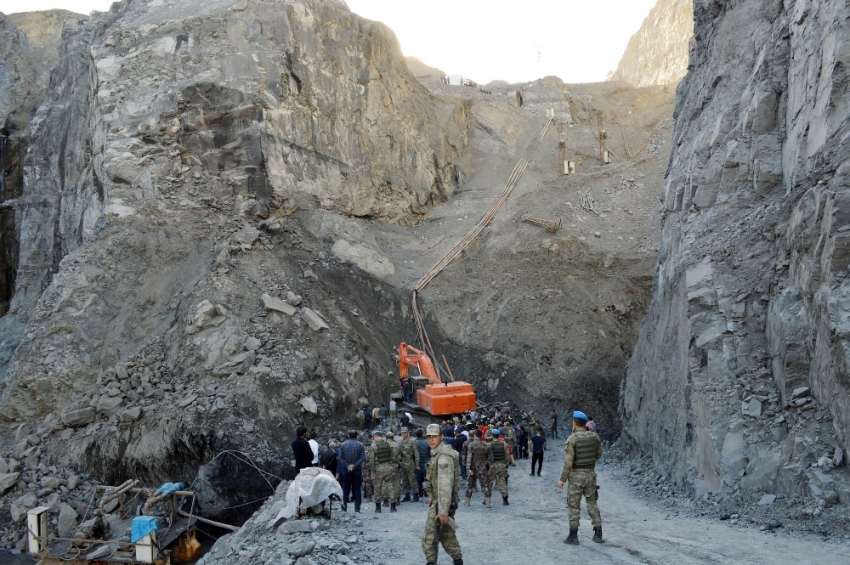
(455, 80)
(312, 486)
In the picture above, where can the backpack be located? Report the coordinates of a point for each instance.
(367, 415)
(383, 452)
(498, 449)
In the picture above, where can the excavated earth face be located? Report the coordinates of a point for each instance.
(226, 205)
(738, 385)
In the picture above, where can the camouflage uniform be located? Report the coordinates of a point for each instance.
(409, 465)
(581, 451)
(385, 471)
(499, 468)
(443, 476)
(479, 459)
(367, 476)
(510, 438)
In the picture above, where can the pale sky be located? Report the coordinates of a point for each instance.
(577, 40)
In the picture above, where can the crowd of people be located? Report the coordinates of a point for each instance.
(482, 445)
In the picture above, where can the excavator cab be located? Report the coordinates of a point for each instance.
(436, 397)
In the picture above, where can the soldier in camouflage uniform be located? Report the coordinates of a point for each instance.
(409, 466)
(394, 491)
(499, 469)
(383, 459)
(478, 462)
(510, 439)
(367, 474)
(581, 451)
(443, 477)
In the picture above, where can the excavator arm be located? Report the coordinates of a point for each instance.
(408, 355)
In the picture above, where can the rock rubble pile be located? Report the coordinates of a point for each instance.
(302, 541)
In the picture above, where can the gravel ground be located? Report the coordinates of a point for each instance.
(533, 527)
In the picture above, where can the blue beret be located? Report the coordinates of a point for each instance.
(580, 415)
(496, 432)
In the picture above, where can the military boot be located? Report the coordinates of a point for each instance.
(458, 562)
(406, 497)
(392, 507)
(378, 508)
(597, 534)
(572, 539)
(505, 501)
(487, 503)
(467, 501)
(415, 497)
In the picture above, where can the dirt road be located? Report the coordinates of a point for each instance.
(531, 531)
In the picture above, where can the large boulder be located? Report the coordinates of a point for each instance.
(79, 418)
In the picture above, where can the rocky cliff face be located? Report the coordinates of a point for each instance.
(739, 382)
(658, 52)
(43, 31)
(18, 102)
(173, 146)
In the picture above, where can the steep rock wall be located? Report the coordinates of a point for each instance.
(44, 37)
(173, 148)
(18, 102)
(739, 382)
(658, 52)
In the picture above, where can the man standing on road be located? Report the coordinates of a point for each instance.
(478, 462)
(442, 476)
(383, 469)
(368, 485)
(499, 470)
(301, 450)
(553, 423)
(460, 443)
(409, 466)
(537, 443)
(581, 451)
(351, 456)
(510, 438)
(393, 489)
(424, 457)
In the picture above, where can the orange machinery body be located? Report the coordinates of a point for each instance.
(437, 398)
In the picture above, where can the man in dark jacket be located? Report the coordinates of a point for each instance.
(328, 457)
(301, 449)
(460, 441)
(424, 457)
(351, 457)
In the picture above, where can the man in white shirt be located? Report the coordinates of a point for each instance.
(314, 445)
(393, 411)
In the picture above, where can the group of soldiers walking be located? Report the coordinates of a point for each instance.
(388, 466)
(387, 460)
(487, 463)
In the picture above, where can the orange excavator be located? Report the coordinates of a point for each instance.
(430, 393)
